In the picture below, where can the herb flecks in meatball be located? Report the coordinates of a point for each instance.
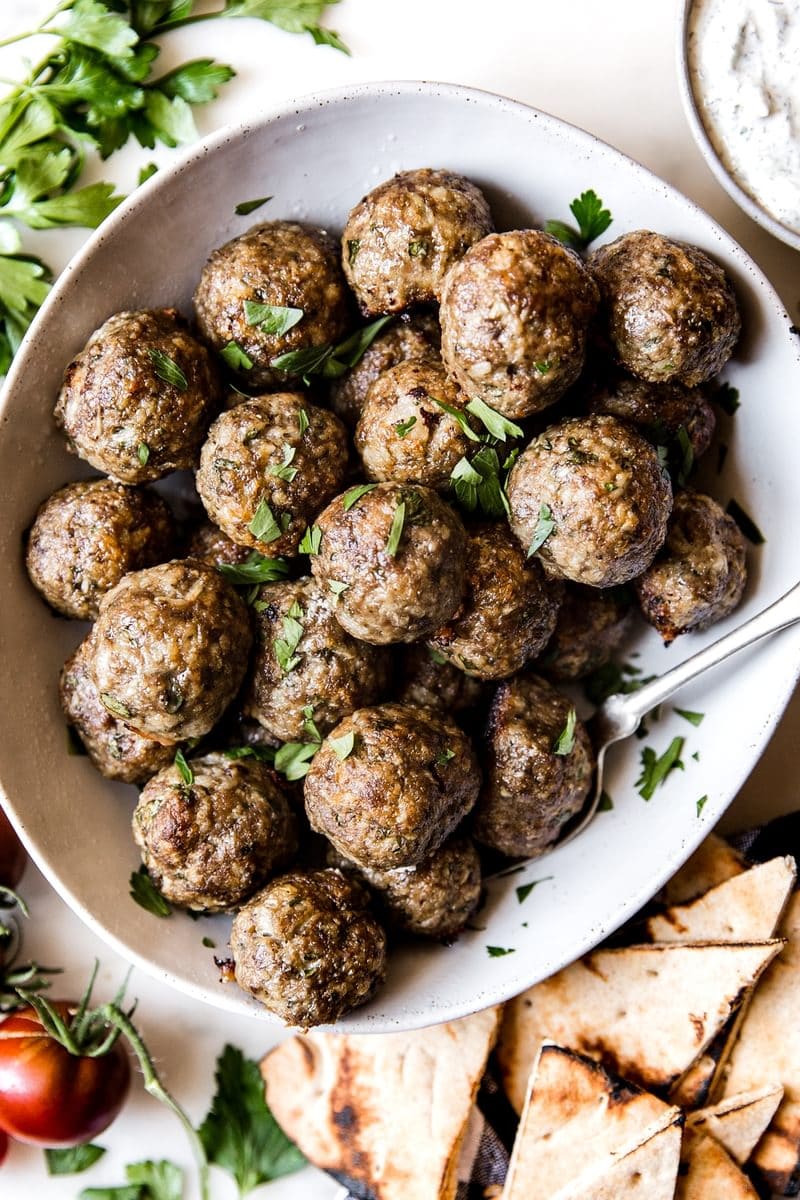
(308, 947)
(306, 667)
(669, 311)
(590, 496)
(515, 315)
(138, 399)
(400, 240)
(412, 336)
(537, 776)
(171, 646)
(390, 784)
(395, 553)
(210, 836)
(414, 426)
(591, 626)
(89, 534)
(508, 612)
(275, 266)
(268, 466)
(699, 576)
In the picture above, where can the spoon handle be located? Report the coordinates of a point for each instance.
(780, 615)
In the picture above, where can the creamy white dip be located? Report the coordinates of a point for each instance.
(744, 62)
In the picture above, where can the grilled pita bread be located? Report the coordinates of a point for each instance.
(769, 1048)
(385, 1115)
(713, 862)
(744, 908)
(738, 1122)
(709, 1173)
(647, 1172)
(578, 1118)
(647, 1012)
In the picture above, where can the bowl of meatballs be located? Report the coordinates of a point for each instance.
(343, 475)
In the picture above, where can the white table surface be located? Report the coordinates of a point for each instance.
(610, 68)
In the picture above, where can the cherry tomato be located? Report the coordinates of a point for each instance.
(49, 1096)
(3, 1146)
(12, 854)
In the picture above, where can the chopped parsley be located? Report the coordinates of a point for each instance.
(330, 361)
(444, 756)
(396, 531)
(273, 320)
(302, 421)
(146, 172)
(292, 759)
(284, 469)
(147, 895)
(354, 494)
(605, 803)
(342, 746)
(353, 247)
(437, 656)
(209, 943)
(311, 540)
(143, 453)
(263, 525)
(745, 523)
(727, 398)
(499, 951)
(401, 428)
(565, 742)
(495, 423)
(614, 678)
(286, 646)
(167, 369)
(255, 569)
(418, 249)
(71, 1160)
(592, 218)
(458, 416)
(694, 718)
(245, 207)
(524, 890)
(115, 707)
(655, 768)
(184, 770)
(234, 356)
(310, 725)
(337, 586)
(701, 803)
(477, 483)
(544, 527)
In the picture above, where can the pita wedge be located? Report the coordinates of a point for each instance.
(769, 1049)
(578, 1118)
(738, 1122)
(648, 1172)
(709, 1173)
(646, 1011)
(385, 1115)
(713, 862)
(744, 908)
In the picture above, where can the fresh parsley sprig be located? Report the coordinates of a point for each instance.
(592, 218)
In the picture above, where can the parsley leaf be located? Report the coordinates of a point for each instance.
(272, 319)
(701, 803)
(146, 172)
(147, 895)
(330, 361)
(143, 453)
(149, 1180)
(565, 742)
(263, 525)
(459, 416)
(354, 494)
(477, 483)
(248, 206)
(396, 531)
(167, 369)
(524, 890)
(115, 707)
(184, 770)
(343, 746)
(496, 424)
(727, 397)
(499, 951)
(292, 759)
(284, 469)
(311, 540)
(544, 527)
(437, 656)
(401, 428)
(255, 569)
(235, 357)
(605, 803)
(694, 718)
(592, 218)
(286, 646)
(614, 677)
(337, 586)
(654, 769)
(196, 82)
(260, 753)
(240, 1133)
(444, 757)
(71, 1160)
(302, 421)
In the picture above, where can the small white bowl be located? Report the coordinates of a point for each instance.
(737, 193)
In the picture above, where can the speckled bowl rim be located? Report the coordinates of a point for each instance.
(745, 201)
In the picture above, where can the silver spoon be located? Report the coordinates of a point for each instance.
(620, 715)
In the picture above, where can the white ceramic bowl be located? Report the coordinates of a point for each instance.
(691, 102)
(317, 157)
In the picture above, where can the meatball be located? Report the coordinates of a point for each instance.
(268, 466)
(210, 842)
(308, 948)
(538, 775)
(210, 545)
(390, 784)
(138, 399)
(436, 898)
(659, 411)
(396, 558)
(115, 750)
(171, 646)
(515, 315)
(275, 265)
(401, 239)
(590, 496)
(592, 623)
(699, 576)
(428, 680)
(412, 336)
(508, 612)
(668, 310)
(89, 534)
(305, 661)
(404, 432)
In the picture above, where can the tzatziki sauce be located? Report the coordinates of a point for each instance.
(744, 65)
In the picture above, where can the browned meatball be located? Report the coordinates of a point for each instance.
(116, 750)
(390, 784)
(305, 662)
(400, 240)
(508, 612)
(537, 775)
(275, 265)
(210, 843)
(171, 646)
(436, 898)
(89, 534)
(590, 496)
(669, 311)
(699, 576)
(268, 466)
(138, 399)
(428, 680)
(405, 435)
(411, 336)
(591, 626)
(515, 315)
(396, 556)
(659, 411)
(210, 545)
(308, 948)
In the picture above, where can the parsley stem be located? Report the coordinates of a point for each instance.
(153, 1085)
(20, 37)
(168, 26)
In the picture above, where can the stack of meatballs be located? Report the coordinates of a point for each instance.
(342, 612)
